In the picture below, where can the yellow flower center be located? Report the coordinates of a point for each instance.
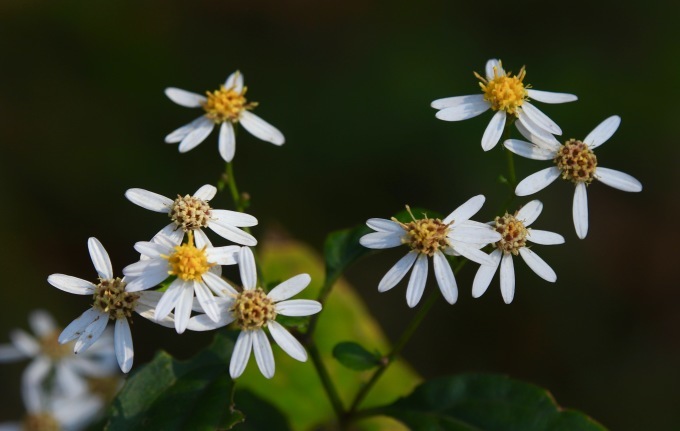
(576, 161)
(504, 92)
(110, 297)
(190, 213)
(253, 309)
(189, 262)
(40, 422)
(425, 235)
(513, 234)
(50, 347)
(226, 104)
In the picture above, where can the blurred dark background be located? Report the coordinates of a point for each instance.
(83, 116)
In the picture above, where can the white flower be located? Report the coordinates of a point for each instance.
(226, 107)
(197, 271)
(575, 161)
(253, 310)
(515, 235)
(508, 96)
(70, 372)
(112, 300)
(456, 234)
(191, 213)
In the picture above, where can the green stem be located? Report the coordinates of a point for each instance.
(326, 381)
(233, 188)
(512, 176)
(323, 294)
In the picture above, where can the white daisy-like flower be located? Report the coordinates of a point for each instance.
(515, 233)
(434, 238)
(252, 310)
(509, 97)
(192, 213)
(112, 300)
(49, 358)
(574, 161)
(225, 107)
(193, 268)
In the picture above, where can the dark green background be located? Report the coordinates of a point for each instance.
(83, 116)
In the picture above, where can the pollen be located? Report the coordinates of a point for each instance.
(188, 262)
(226, 104)
(50, 346)
(40, 422)
(253, 309)
(513, 234)
(426, 235)
(576, 161)
(110, 297)
(190, 213)
(505, 92)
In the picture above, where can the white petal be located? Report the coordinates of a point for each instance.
(263, 353)
(547, 141)
(397, 272)
(538, 265)
(550, 97)
(544, 237)
(171, 235)
(463, 111)
(298, 307)
(201, 239)
(471, 252)
(602, 132)
(290, 287)
(232, 233)
(76, 414)
(123, 342)
(149, 313)
(100, 258)
(530, 212)
(227, 141)
(541, 119)
(207, 301)
(70, 284)
(507, 278)
(149, 200)
(42, 323)
(150, 275)
(493, 132)
(416, 284)
(235, 81)
(92, 333)
(183, 307)
(76, 328)
(233, 218)
(227, 255)
(24, 342)
(206, 192)
(241, 353)
(287, 342)
(380, 240)
(68, 381)
(465, 211)
(490, 66)
(196, 136)
(534, 128)
(528, 150)
(580, 210)
(31, 382)
(261, 129)
(180, 133)
(185, 98)
(152, 250)
(473, 234)
(218, 286)
(485, 274)
(445, 278)
(169, 299)
(247, 268)
(450, 102)
(204, 323)
(618, 180)
(384, 225)
(537, 181)
(9, 353)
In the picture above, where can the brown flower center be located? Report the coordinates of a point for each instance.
(513, 234)
(253, 309)
(40, 422)
(110, 297)
(576, 161)
(190, 213)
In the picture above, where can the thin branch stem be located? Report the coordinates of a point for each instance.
(326, 381)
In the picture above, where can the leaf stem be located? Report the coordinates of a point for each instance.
(512, 176)
(326, 381)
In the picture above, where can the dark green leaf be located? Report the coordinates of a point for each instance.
(168, 395)
(354, 356)
(476, 402)
(259, 413)
(342, 248)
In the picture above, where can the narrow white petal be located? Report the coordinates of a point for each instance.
(618, 180)
(149, 200)
(9, 353)
(384, 225)
(534, 128)
(31, 382)
(196, 136)
(287, 342)
(380, 240)
(397, 272)
(416, 284)
(180, 133)
(485, 274)
(152, 249)
(473, 234)
(450, 102)
(528, 150)
(218, 286)
(445, 278)
(544, 237)
(42, 323)
(227, 141)
(232, 233)
(233, 218)
(537, 181)
(530, 212)
(100, 258)
(169, 299)
(204, 323)
(538, 265)
(201, 239)
(207, 301)
(183, 307)
(241, 354)
(507, 278)
(263, 353)
(185, 98)
(298, 307)
(551, 97)
(76, 328)
(541, 119)
(580, 210)
(261, 129)
(76, 414)
(602, 132)
(493, 132)
(155, 272)
(206, 192)
(92, 333)
(247, 268)
(70, 284)
(68, 381)
(463, 111)
(490, 66)
(235, 81)
(123, 343)
(290, 287)
(149, 313)
(471, 252)
(171, 235)
(11, 426)
(465, 211)
(547, 141)
(226, 255)
(24, 342)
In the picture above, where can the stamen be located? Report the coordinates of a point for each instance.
(110, 297)
(426, 235)
(226, 104)
(513, 233)
(253, 309)
(505, 92)
(576, 161)
(189, 262)
(190, 213)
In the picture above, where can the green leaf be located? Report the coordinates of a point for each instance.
(259, 414)
(353, 355)
(342, 248)
(488, 402)
(168, 395)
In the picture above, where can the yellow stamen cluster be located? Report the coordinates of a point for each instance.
(190, 213)
(576, 161)
(226, 104)
(426, 235)
(110, 297)
(513, 234)
(253, 309)
(40, 422)
(50, 346)
(505, 92)
(188, 262)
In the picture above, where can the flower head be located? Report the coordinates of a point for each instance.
(575, 161)
(508, 96)
(223, 107)
(435, 238)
